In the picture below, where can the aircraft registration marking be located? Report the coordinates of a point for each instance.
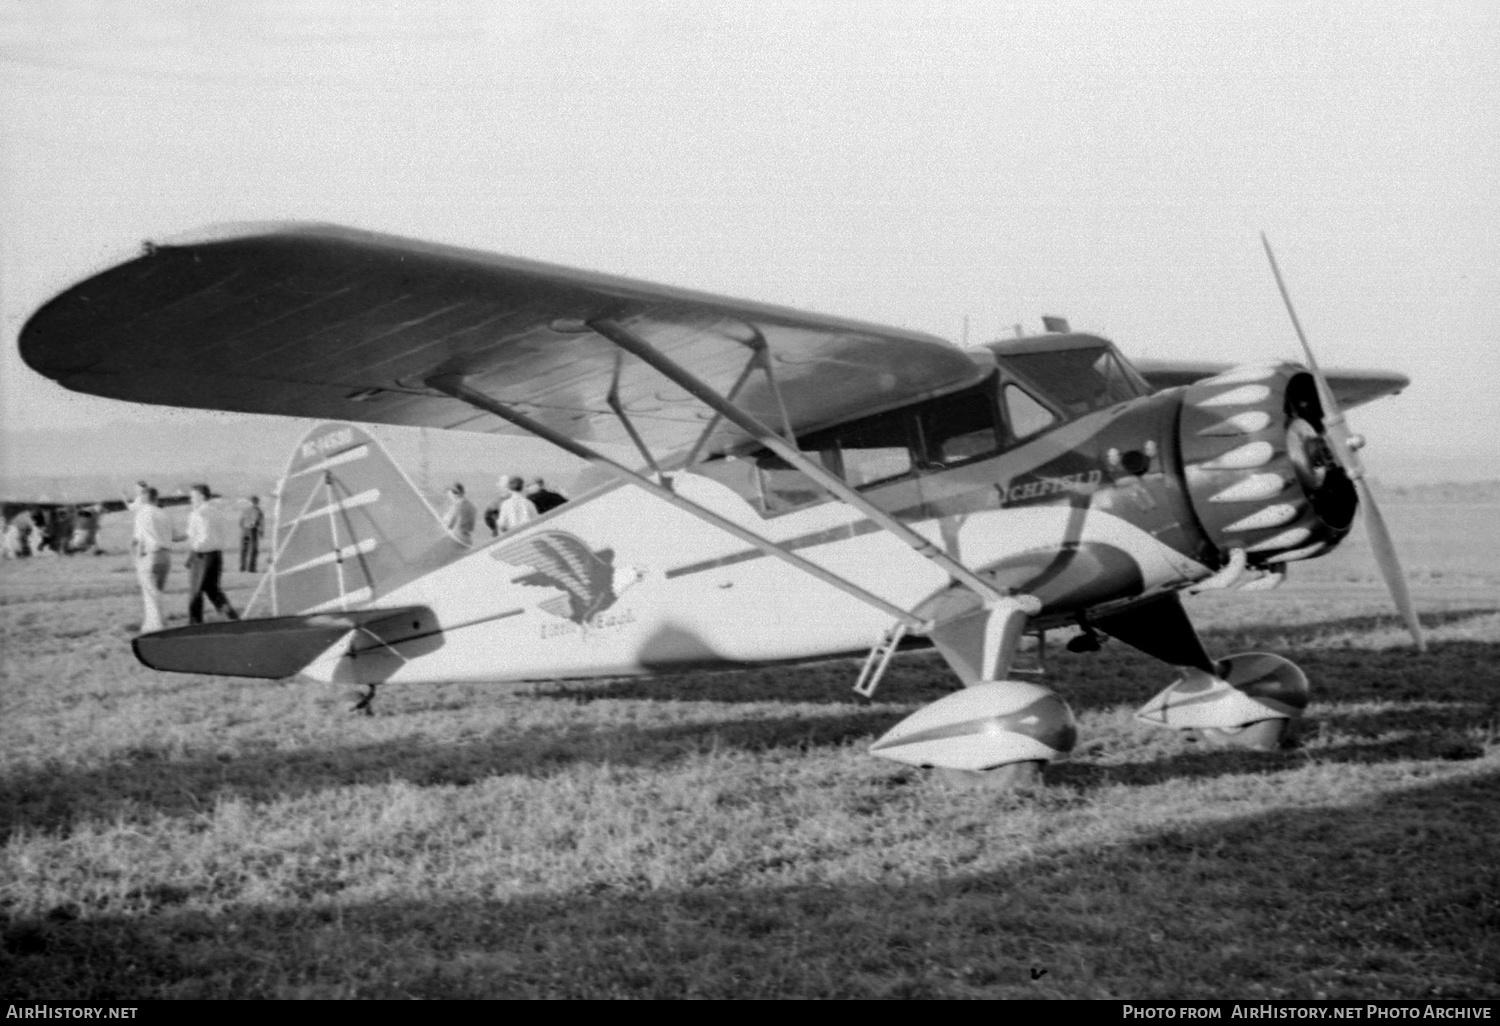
(333, 440)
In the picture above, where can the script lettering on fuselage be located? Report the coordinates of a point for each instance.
(1085, 482)
(600, 622)
(333, 440)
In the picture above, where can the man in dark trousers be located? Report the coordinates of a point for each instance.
(543, 498)
(206, 531)
(252, 522)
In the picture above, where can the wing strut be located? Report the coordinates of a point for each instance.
(756, 359)
(788, 451)
(613, 399)
(455, 386)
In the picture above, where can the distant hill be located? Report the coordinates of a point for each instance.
(1441, 491)
(240, 456)
(167, 449)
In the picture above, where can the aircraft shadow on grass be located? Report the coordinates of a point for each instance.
(1117, 675)
(1388, 898)
(1455, 674)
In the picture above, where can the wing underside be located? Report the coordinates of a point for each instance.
(331, 323)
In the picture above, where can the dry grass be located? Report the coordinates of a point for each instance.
(725, 835)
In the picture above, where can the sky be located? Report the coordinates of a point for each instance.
(928, 165)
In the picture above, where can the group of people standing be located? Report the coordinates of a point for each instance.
(211, 530)
(519, 503)
(58, 530)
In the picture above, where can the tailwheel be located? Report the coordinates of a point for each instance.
(366, 702)
(1260, 736)
(1013, 776)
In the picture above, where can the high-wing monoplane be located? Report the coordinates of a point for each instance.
(67, 525)
(801, 485)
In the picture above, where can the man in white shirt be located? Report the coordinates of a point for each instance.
(208, 537)
(459, 520)
(151, 542)
(516, 509)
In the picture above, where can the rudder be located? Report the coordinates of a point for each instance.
(350, 526)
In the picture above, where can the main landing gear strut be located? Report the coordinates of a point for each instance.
(998, 731)
(995, 731)
(366, 703)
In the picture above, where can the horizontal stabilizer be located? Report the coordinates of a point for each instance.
(275, 647)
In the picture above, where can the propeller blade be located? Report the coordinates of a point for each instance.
(1337, 431)
(1390, 565)
(1334, 427)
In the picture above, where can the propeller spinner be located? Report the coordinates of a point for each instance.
(1343, 444)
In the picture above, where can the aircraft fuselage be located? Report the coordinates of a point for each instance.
(632, 585)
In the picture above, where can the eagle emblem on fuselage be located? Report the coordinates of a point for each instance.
(565, 562)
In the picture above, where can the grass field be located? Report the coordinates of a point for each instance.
(727, 836)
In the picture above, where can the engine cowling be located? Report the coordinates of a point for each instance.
(1259, 471)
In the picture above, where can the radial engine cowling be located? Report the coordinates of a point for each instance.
(1258, 468)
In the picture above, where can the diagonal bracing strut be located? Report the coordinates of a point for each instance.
(454, 385)
(787, 450)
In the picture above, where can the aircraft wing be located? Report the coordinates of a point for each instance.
(333, 323)
(10, 507)
(1350, 387)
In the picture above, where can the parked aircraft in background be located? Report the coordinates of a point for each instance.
(804, 485)
(63, 526)
(13, 506)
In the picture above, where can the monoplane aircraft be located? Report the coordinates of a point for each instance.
(801, 485)
(61, 519)
(44, 502)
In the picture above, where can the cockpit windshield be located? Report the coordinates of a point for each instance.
(1076, 380)
(1032, 393)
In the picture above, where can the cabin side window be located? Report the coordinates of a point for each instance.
(1032, 393)
(1026, 415)
(932, 435)
(863, 453)
(958, 428)
(781, 488)
(870, 451)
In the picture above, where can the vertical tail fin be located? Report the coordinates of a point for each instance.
(350, 526)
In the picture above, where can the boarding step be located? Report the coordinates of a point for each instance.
(1038, 665)
(879, 658)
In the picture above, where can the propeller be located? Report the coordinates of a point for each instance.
(1344, 442)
